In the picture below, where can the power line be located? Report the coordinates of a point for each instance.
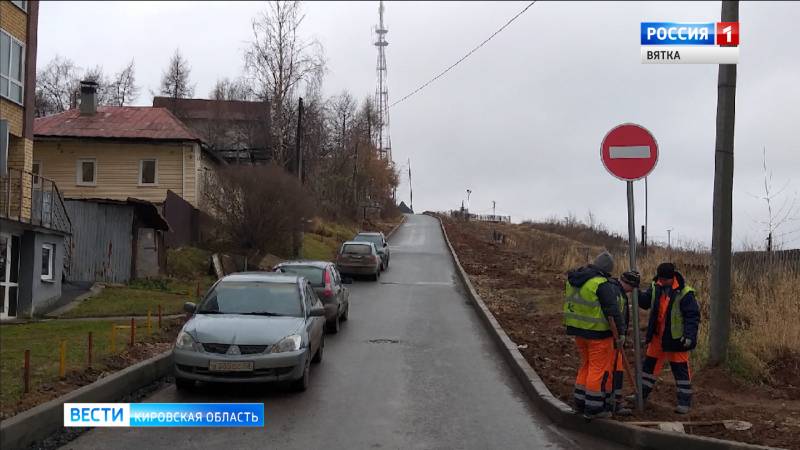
(465, 56)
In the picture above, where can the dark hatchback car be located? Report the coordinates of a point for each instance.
(381, 245)
(359, 258)
(328, 284)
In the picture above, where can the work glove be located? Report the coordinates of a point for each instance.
(621, 342)
(686, 342)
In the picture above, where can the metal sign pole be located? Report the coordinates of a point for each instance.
(637, 351)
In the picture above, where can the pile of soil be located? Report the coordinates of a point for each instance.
(44, 392)
(526, 298)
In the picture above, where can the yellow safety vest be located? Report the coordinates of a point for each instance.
(582, 307)
(675, 316)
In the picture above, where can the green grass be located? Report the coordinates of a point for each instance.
(43, 340)
(187, 262)
(319, 248)
(127, 301)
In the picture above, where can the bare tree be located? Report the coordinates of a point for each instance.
(258, 208)
(781, 209)
(57, 85)
(343, 111)
(175, 81)
(227, 89)
(123, 89)
(281, 61)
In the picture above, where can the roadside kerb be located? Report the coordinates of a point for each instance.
(561, 413)
(42, 421)
(390, 233)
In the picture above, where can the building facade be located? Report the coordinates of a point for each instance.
(33, 220)
(121, 152)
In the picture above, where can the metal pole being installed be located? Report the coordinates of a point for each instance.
(637, 344)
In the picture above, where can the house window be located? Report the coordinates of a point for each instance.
(48, 253)
(12, 67)
(87, 172)
(36, 168)
(148, 172)
(21, 4)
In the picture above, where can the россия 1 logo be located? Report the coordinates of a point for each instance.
(690, 43)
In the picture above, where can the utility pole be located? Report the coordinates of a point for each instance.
(669, 238)
(469, 191)
(298, 154)
(720, 326)
(494, 208)
(410, 188)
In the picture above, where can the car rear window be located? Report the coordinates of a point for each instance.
(243, 297)
(357, 249)
(375, 239)
(314, 275)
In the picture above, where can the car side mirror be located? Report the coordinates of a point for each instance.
(347, 280)
(316, 312)
(189, 307)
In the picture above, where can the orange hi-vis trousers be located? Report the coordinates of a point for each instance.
(593, 383)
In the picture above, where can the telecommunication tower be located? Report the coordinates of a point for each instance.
(383, 139)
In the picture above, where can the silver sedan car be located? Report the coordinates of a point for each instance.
(253, 328)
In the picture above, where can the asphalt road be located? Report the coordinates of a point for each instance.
(412, 368)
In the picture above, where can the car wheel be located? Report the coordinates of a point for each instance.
(377, 275)
(318, 356)
(346, 313)
(301, 384)
(183, 384)
(333, 325)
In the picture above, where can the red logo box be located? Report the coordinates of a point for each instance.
(728, 34)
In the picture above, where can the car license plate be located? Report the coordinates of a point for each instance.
(230, 366)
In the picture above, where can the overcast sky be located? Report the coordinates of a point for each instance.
(520, 122)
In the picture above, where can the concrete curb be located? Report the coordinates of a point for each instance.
(40, 422)
(95, 290)
(559, 412)
(396, 227)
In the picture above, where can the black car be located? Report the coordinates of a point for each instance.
(328, 284)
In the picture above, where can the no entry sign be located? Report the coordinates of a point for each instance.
(629, 152)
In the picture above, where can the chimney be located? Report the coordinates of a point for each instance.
(88, 98)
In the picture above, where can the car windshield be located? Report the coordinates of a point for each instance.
(252, 297)
(374, 238)
(314, 275)
(357, 249)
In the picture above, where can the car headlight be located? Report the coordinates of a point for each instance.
(185, 341)
(288, 344)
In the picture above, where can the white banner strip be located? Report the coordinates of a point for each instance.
(629, 152)
(689, 54)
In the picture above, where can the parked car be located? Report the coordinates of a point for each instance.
(328, 284)
(379, 240)
(359, 258)
(252, 327)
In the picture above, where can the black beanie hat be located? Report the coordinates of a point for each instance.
(665, 270)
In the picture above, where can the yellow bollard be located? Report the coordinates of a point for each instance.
(149, 326)
(62, 360)
(113, 338)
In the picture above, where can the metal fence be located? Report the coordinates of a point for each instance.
(33, 199)
(466, 215)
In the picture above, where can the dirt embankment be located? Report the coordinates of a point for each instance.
(525, 292)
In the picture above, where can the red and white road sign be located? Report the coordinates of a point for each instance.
(629, 152)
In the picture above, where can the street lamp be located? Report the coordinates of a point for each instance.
(469, 191)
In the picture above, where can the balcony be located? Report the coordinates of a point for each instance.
(34, 200)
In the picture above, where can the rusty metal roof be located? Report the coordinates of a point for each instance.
(122, 122)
